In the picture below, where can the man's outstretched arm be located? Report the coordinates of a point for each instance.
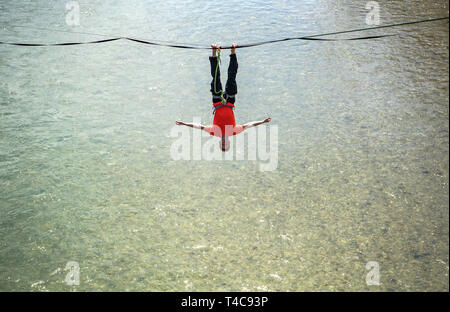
(256, 123)
(193, 125)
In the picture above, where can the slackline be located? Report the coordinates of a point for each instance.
(240, 46)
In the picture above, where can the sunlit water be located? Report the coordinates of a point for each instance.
(86, 173)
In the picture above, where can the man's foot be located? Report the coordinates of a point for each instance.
(214, 49)
(233, 48)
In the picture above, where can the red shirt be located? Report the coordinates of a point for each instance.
(223, 117)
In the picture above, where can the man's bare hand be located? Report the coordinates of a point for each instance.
(256, 123)
(192, 125)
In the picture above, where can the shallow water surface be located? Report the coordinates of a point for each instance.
(86, 173)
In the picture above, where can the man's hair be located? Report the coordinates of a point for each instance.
(224, 144)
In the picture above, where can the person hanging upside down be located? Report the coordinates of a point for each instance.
(224, 123)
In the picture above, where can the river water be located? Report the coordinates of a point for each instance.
(86, 172)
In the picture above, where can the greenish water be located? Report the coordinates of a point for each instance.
(86, 173)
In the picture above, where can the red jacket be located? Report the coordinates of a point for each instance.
(224, 122)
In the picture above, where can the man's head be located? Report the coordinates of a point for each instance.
(225, 143)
